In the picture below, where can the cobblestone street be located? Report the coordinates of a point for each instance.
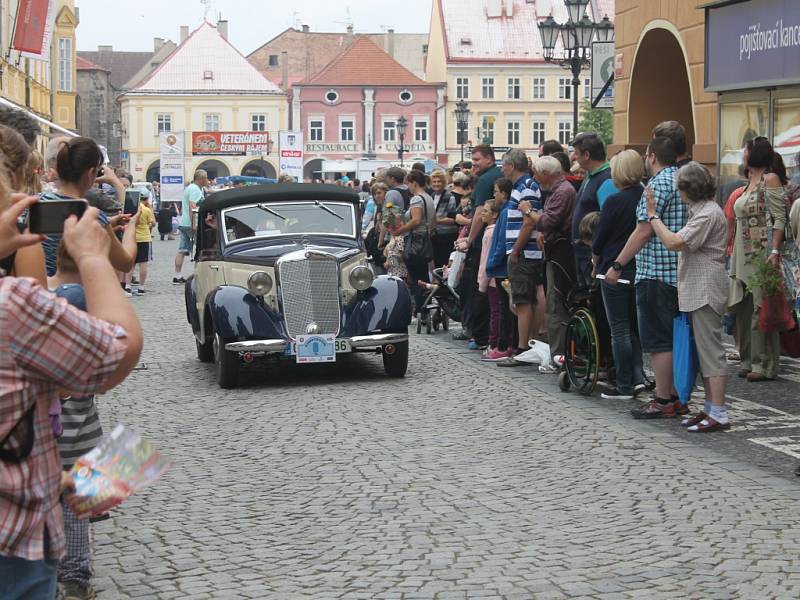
(460, 481)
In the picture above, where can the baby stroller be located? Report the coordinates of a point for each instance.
(441, 304)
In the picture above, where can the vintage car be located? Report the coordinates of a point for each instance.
(281, 272)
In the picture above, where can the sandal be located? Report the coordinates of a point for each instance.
(695, 420)
(757, 377)
(708, 425)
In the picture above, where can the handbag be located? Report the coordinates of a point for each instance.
(418, 244)
(685, 364)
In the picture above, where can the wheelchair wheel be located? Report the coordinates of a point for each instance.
(564, 382)
(582, 361)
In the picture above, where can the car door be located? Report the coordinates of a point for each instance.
(209, 273)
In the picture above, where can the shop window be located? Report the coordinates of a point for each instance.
(787, 133)
(739, 122)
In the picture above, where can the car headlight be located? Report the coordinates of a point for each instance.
(361, 278)
(259, 283)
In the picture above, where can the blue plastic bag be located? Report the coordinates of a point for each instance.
(685, 364)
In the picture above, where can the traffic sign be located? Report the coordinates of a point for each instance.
(602, 73)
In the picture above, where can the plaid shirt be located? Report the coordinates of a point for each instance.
(46, 346)
(654, 261)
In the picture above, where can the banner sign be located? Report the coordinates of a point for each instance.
(230, 143)
(603, 61)
(31, 27)
(172, 148)
(752, 44)
(290, 144)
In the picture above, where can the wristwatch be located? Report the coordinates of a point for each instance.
(775, 251)
(616, 266)
(528, 212)
(653, 218)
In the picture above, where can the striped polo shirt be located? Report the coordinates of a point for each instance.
(524, 189)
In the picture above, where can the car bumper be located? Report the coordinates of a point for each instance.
(358, 342)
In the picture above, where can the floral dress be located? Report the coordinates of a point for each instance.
(394, 256)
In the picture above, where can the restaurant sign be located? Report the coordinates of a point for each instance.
(752, 44)
(230, 143)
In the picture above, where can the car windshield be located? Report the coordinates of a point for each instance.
(289, 218)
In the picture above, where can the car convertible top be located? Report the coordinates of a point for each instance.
(281, 192)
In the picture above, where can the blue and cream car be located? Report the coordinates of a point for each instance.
(281, 272)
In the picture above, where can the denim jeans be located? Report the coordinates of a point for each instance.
(22, 579)
(620, 304)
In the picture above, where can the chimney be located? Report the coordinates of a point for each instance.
(105, 48)
(510, 8)
(390, 43)
(184, 33)
(350, 30)
(222, 28)
(284, 70)
(158, 44)
(305, 29)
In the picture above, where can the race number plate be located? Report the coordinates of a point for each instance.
(317, 348)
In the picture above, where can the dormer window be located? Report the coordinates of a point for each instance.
(465, 41)
(331, 96)
(208, 75)
(406, 96)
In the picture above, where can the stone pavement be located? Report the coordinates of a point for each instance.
(461, 481)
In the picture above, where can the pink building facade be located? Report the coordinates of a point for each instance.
(349, 111)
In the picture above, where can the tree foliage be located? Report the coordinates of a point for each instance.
(597, 120)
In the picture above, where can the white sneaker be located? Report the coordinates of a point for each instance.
(549, 369)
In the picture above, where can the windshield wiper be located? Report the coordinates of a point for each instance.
(270, 211)
(326, 209)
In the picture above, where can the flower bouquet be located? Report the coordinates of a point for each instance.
(775, 314)
(392, 216)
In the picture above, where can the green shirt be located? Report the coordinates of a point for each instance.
(191, 195)
(484, 190)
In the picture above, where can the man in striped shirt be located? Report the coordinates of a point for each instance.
(522, 249)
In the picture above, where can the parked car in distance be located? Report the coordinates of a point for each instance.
(281, 273)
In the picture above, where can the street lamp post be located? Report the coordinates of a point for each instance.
(402, 123)
(462, 121)
(576, 36)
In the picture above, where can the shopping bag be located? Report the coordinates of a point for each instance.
(539, 353)
(790, 340)
(775, 316)
(685, 364)
(457, 259)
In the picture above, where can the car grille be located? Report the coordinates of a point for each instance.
(310, 294)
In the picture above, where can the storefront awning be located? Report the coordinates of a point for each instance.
(41, 120)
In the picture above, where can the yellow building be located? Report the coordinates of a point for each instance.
(46, 88)
(490, 54)
(205, 89)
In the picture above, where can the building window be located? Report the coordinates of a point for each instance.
(512, 133)
(164, 123)
(273, 60)
(564, 88)
(420, 131)
(462, 88)
(487, 88)
(390, 131)
(331, 96)
(406, 96)
(258, 122)
(538, 88)
(487, 130)
(587, 89)
(316, 129)
(564, 132)
(348, 130)
(538, 132)
(212, 122)
(64, 65)
(513, 88)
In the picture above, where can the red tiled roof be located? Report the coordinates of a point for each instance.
(82, 64)
(364, 63)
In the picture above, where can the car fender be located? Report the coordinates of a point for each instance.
(190, 298)
(238, 315)
(385, 306)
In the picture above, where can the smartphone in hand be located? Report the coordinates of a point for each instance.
(48, 217)
(132, 198)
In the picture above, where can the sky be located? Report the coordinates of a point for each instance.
(132, 24)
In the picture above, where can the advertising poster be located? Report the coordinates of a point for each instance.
(172, 148)
(291, 153)
(230, 143)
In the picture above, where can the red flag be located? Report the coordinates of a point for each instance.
(30, 27)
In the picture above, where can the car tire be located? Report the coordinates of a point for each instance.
(227, 364)
(396, 364)
(205, 351)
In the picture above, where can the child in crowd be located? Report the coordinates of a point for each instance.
(486, 284)
(80, 433)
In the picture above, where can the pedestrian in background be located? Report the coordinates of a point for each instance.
(446, 229)
(144, 241)
(702, 283)
(192, 198)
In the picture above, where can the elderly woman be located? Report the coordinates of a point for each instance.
(446, 229)
(761, 206)
(617, 222)
(702, 283)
